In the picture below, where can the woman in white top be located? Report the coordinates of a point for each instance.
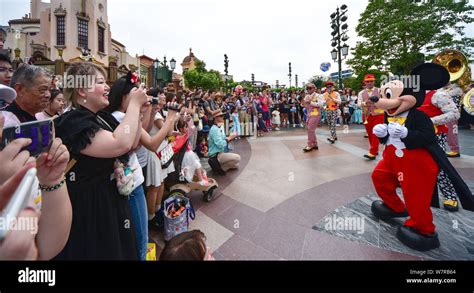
(119, 100)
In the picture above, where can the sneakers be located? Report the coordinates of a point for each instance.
(331, 140)
(277, 129)
(453, 154)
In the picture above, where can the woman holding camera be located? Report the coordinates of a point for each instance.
(101, 225)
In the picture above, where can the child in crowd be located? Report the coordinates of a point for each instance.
(203, 147)
(276, 119)
(339, 117)
(357, 115)
(261, 127)
(189, 245)
(347, 113)
(235, 121)
(191, 165)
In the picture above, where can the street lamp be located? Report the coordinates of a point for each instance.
(226, 66)
(173, 64)
(334, 55)
(339, 34)
(345, 50)
(156, 63)
(289, 74)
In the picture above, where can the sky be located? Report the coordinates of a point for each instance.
(258, 36)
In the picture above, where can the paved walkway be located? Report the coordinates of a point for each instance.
(280, 201)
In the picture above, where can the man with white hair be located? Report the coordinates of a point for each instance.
(32, 85)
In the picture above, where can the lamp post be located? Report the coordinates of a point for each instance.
(226, 71)
(296, 80)
(289, 72)
(173, 67)
(162, 74)
(253, 79)
(156, 63)
(339, 34)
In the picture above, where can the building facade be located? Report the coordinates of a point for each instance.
(67, 29)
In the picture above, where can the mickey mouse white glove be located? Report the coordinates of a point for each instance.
(380, 130)
(397, 131)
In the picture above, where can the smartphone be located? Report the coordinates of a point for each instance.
(18, 201)
(41, 134)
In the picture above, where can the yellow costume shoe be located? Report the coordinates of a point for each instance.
(451, 205)
(453, 154)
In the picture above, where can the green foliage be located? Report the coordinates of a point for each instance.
(352, 82)
(318, 80)
(404, 33)
(201, 77)
(355, 83)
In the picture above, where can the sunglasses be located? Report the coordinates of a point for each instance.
(309, 88)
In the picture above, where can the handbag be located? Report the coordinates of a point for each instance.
(178, 209)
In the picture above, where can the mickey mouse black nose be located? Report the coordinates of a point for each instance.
(374, 99)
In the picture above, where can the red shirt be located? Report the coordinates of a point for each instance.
(264, 103)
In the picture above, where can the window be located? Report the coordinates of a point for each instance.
(83, 33)
(60, 30)
(101, 39)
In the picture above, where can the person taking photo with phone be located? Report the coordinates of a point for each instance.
(53, 201)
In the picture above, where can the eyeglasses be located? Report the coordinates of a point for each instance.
(5, 69)
(309, 88)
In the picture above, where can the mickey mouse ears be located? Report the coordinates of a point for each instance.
(432, 76)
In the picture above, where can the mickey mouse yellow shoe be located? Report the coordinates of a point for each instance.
(451, 205)
(453, 154)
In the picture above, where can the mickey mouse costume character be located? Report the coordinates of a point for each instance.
(411, 159)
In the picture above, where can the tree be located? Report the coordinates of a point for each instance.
(318, 80)
(201, 77)
(352, 82)
(405, 33)
(355, 82)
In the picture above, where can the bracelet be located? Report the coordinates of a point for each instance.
(54, 187)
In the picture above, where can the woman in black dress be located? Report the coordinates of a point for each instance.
(101, 226)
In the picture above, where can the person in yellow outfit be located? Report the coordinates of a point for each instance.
(332, 100)
(374, 115)
(313, 103)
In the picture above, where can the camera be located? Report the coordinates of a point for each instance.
(154, 101)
